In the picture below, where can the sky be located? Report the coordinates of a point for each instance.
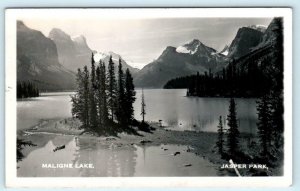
(140, 41)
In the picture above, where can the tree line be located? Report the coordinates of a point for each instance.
(270, 109)
(234, 81)
(104, 101)
(269, 147)
(27, 89)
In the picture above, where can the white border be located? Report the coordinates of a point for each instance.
(12, 16)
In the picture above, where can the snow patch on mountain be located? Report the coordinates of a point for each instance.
(99, 56)
(225, 53)
(182, 49)
(190, 48)
(225, 50)
(261, 28)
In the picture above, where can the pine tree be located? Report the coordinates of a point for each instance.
(27, 89)
(233, 132)
(86, 93)
(111, 80)
(129, 97)
(197, 84)
(99, 98)
(143, 107)
(78, 98)
(121, 95)
(92, 101)
(103, 114)
(277, 119)
(220, 141)
(264, 125)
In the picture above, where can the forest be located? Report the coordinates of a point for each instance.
(26, 90)
(234, 81)
(104, 101)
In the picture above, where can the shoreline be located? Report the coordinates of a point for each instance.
(202, 144)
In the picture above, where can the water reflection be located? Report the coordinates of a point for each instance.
(161, 161)
(108, 160)
(111, 160)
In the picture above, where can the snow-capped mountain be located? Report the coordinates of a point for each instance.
(179, 61)
(115, 58)
(190, 48)
(75, 53)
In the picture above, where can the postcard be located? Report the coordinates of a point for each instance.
(148, 97)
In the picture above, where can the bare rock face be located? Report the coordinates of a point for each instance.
(37, 61)
(245, 39)
(73, 53)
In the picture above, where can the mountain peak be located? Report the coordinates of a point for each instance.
(225, 50)
(273, 31)
(22, 26)
(194, 46)
(189, 48)
(245, 39)
(57, 33)
(20, 23)
(261, 28)
(79, 39)
(195, 41)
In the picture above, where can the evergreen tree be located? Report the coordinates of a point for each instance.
(143, 107)
(78, 98)
(277, 90)
(86, 93)
(99, 98)
(129, 97)
(111, 80)
(121, 96)
(277, 119)
(92, 101)
(103, 84)
(220, 141)
(264, 125)
(233, 132)
(27, 89)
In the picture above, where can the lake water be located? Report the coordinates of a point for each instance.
(110, 160)
(176, 111)
(171, 106)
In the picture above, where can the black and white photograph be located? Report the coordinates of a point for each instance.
(178, 93)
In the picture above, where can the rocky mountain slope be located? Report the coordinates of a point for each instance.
(37, 61)
(245, 39)
(73, 53)
(181, 61)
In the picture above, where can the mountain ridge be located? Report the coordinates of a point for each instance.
(39, 61)
(179, 61)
